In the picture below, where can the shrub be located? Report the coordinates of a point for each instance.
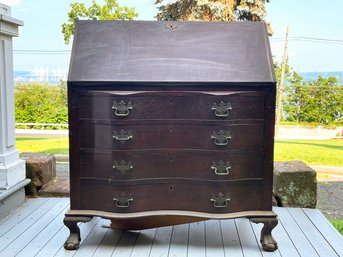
(37, 102)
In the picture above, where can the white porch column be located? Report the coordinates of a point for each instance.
(12, 169)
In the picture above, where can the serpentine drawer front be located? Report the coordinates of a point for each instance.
(169, 126)
(148, 195)
(211, 135)
(142, 164)
(224, 105)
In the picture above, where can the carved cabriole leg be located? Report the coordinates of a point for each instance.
(267, 240)
(74, 238)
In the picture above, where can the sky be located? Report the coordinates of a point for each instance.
(306, 19)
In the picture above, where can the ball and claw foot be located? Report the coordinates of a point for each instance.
(73, 240)
(269, 244)
(267, 241)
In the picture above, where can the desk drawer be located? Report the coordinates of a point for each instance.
(196, 164)
(171, 135)
(152, 195)
(222, 105)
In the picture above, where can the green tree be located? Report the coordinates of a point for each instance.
(295, 98)
(40, 103)
(222, 10)
(326, 100)
(319, 101)
(111, 10)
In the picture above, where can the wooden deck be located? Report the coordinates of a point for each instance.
(36, 229)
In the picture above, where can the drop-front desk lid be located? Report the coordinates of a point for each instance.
(164, 51)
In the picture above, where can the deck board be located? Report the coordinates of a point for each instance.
(44, 236)
(248, 240)
(108, 243)
(315, 238)
(332, 236)
(161, 244)
(196, 240)
(287, 247)
(214, 239)
(144, 243)
(37, 229)
(232, 245)
(20, 214)
(126, 244)
(295, 233)
(11, 235)
(93, 240)
(55, 243)
(179, 241)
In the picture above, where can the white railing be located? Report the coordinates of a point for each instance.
(299, 132)
(42, 125)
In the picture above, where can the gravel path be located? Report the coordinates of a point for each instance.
(330, 197)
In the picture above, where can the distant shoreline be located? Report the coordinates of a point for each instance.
(311, 76)
(55, 75)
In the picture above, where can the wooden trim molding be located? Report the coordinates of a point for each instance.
(203, 215)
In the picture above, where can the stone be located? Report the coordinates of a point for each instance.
(40, 168)
(295, 184)
(59, 186)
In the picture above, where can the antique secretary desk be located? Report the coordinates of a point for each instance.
(170, 123)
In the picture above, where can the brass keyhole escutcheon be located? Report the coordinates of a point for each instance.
(171, 26)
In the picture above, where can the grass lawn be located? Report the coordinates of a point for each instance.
(338, 224)
(321, 152)
(47, 145)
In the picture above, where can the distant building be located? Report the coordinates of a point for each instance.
(41, 74)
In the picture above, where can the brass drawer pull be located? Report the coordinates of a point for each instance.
(222, 109)
(122, 199)
(221, 137)
(122, 136)
(122, 166)
(220, 200)
(221, 168)
(122, 108)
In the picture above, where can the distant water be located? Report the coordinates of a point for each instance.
(26, 76)
(311, 76)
